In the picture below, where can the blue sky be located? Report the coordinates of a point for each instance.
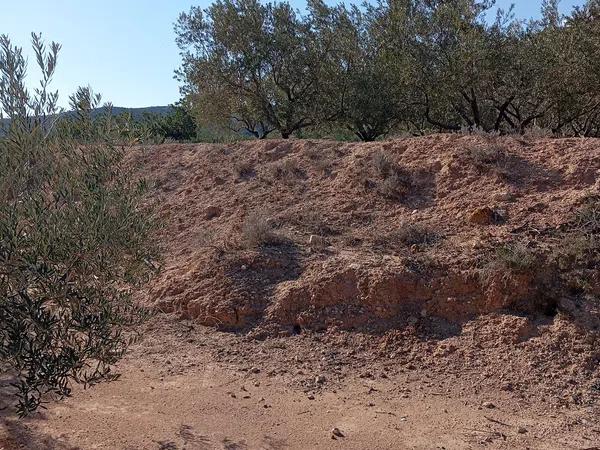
(125, 48)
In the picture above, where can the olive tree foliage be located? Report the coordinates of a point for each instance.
(89, 120)
(375, 70)
(472, 74)
(73, 239)
(261, 66)
(417, 65)
(507, 75)
(178, 125)
(575, 80)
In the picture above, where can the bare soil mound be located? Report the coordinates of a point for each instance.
(452, 243)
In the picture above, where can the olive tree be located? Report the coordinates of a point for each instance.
(73, 241)
(376, 71)
(267, 58)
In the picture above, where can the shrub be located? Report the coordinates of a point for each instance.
(512, 258)
(536, 132)
(478, 131)
(587, 217)
(395, 186)
(73, 243)
(394, 182)
(486, 156)
(257, 231)
(415, 234)
(313, 221)
(287, 170)
(382, 164)
(408, 234)
(576, 250)
(322, 166)
(178, 125)
(243, 169)
(576, 254)
(89, 121)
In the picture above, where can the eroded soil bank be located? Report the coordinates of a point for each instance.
(434, 292)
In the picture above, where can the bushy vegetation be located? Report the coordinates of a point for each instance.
(412, 65)
(73, 238)
(257, 231)
(179, 125)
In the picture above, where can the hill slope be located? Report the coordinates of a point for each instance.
(436, 213)
(427, 235)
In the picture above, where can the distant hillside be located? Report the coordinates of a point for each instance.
(136, 113)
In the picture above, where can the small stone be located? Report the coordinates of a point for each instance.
(255, 370)
(336, 432)
(488, 405)
(482, 216)
(211, 212)
(522, 430)
(319, 379)
(311, 397)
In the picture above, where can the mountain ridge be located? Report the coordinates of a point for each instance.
(136, 113)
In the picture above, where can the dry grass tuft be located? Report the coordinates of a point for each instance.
(486, 157)
(288, 170)
(257, 231)
(394, 182)
(508, 260)
(409, 234)
(244, 169)
(382, 164)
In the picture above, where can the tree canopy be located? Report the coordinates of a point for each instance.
(416, 65)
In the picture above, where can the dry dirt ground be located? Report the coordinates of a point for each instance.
(189, 387)
(404, 294)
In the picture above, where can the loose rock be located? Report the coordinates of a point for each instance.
(211, 212)
(335, 432)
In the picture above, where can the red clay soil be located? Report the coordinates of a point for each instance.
(311, 285)
(346, 255)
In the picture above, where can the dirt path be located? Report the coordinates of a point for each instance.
(185, 388)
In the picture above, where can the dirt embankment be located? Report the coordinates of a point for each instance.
(478, 250)
(365, 235)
